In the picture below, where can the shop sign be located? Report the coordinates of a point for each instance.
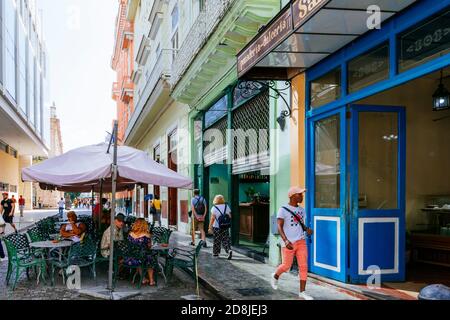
(302, 10)
(269, 39)
(421, 43)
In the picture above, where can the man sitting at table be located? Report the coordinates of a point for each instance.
(73, 230)
(119, 222)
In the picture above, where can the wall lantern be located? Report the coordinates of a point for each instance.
(441, 97)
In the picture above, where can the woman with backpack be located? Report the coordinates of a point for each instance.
(219, 226)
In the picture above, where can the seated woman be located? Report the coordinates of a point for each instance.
(73, 230)
(140, 236)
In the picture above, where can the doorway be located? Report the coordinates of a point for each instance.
(357, 183)
(173, 192)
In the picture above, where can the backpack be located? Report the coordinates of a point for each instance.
(199, 206)
(224, 220)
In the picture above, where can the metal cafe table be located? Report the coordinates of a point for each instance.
(158, 248)
(49, 246)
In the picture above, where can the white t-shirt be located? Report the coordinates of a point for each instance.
(292, 228)
(61, 203)
(217, 214)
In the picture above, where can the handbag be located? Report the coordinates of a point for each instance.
(299, 220)
(2, 225)
(152, 209)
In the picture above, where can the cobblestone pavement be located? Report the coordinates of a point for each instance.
(180, 285)
(244, 278)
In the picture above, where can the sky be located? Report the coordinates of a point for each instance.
(79, 36)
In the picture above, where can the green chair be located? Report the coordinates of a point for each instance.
(184, 259)
(20, 258)
(125, 250)
(82, 254)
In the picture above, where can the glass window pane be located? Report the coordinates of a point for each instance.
(327, 163)
(368, 68)
(216, 112)
(424, 42)
(377, 159)
(326, 89)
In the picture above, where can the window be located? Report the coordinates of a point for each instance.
(216, 112)
(197, 7)
(31, 87)
(22, 61)
(326, 88)
(175, 17)
(13, 189)
(368, 68)
(424, 42)
(158, 50)
(175, 44)
(4, 187)
(173, 141)
(10, 44)
(3, 146)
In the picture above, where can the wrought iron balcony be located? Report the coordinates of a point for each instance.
(200, 31)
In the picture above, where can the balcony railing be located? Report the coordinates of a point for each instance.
(127, 89)
(115, 91)
(161, 69)
(200, 31)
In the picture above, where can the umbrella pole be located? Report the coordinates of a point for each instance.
(113, 209)
(100, 206)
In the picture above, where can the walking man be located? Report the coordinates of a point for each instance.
(21, 205)
(293, 232)
(7, 211)
(61, 207)
(199, 210)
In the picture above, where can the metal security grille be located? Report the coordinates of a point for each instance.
(251, 135)
(215, 152)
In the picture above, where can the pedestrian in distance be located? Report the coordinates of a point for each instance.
(198, 216)
(293, 232)
(219, 226)
(155, 209)
(7, 211)
(61, 204)
(14, 201)
(21, 205)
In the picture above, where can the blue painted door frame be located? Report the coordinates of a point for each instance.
(377, 236)
(328, 246)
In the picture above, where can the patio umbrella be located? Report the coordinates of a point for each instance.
(80, 170)
(93, 167)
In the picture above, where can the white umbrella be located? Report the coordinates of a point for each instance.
(87, 168)
(81, 169)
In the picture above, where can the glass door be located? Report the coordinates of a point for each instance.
(377, 193)
(327, 192)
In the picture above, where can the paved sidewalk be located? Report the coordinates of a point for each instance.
(244, 278)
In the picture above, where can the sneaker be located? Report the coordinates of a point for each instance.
(215, 255)
(273, 282)
(205, 245)
(230, 255)
(303, 295)
(192, 244)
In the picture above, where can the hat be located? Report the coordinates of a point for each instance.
(295, 190)
(120, 217)
(4, 193)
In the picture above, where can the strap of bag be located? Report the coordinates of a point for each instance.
(221, 213)
(297, 218)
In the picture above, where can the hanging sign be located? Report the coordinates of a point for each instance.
(265, 42)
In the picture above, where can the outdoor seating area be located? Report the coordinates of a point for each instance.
(41, 251)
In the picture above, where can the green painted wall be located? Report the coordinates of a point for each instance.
(220, 172)
(263, 188)
(280, 161)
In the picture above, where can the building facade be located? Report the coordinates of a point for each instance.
(123, 63)
(49, 198)
(24, 109)
(368, 125)
(159, 124)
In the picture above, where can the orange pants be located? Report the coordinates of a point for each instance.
(301, 252)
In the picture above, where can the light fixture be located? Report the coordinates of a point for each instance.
(281, 122)
(441, 97)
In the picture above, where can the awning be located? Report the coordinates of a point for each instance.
(307, 31)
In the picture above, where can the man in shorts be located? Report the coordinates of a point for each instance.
(7, 210)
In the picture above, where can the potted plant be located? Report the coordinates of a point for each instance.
(250, 192)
